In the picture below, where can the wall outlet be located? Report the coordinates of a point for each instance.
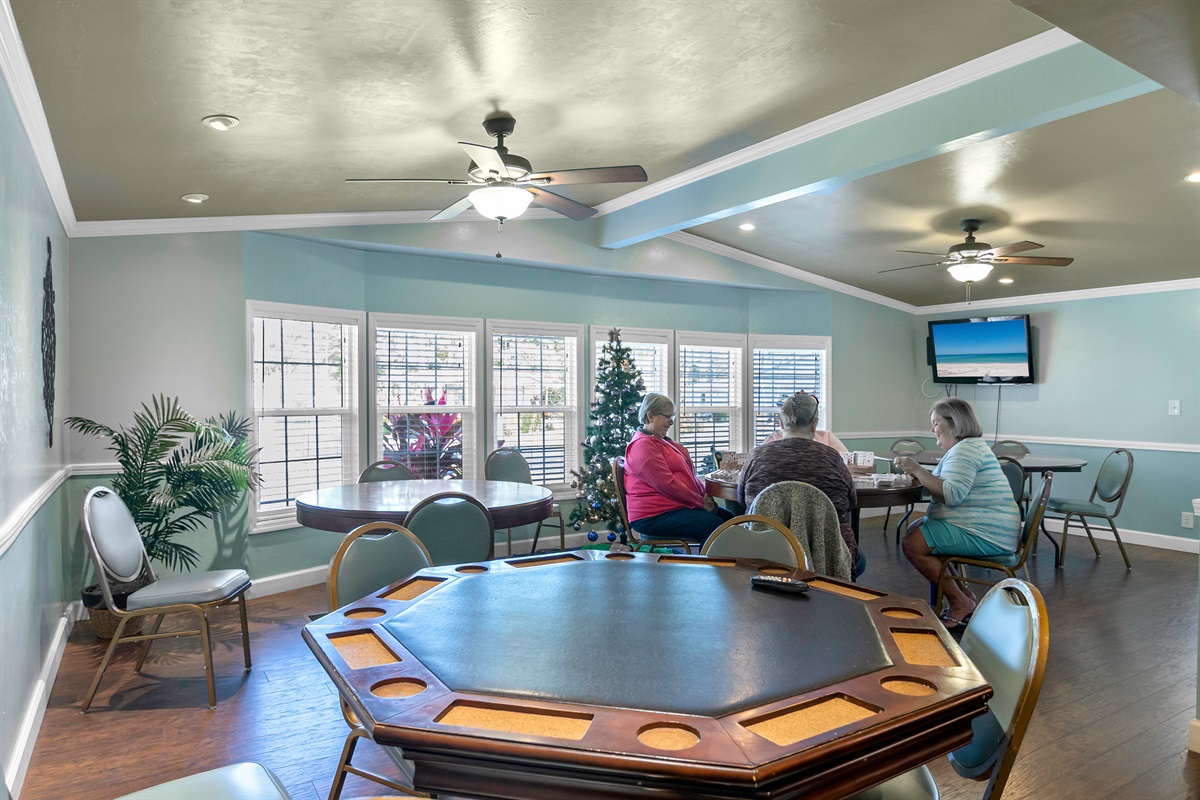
(1189, 520)
(1172, 408)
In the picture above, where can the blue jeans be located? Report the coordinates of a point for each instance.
(689, 524)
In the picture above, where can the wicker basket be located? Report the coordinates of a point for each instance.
(104, 623)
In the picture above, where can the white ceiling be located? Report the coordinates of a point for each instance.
(845, 130)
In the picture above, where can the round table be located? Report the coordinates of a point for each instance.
(344, 508)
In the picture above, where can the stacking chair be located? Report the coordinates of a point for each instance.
(1111, 482)
(1008, 639)
(903, 447)
(1009, 447)
(809, 514)
(770, 541)
(386, 470)
(116, 548)
(618, 476)
(1008, 564)
(507, 464)
(454, 527)
(371, 556)
(1016, 480)
(245, 781)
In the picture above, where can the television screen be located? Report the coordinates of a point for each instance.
(982, 350)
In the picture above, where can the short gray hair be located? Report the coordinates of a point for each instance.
(798, 411)
(654, 403)
(959, 416)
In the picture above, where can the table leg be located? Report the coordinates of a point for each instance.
(900, 525)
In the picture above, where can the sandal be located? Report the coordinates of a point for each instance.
(951, 624)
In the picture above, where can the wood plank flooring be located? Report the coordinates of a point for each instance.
(1112, 721)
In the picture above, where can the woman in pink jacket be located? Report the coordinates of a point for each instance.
(663, 496)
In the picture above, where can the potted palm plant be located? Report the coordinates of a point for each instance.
(176, 473)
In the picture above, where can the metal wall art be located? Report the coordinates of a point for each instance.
(49, 342)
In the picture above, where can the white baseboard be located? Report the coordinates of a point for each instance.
(1194, 736)
(1158, 540)
(39, 697)
(286, 581)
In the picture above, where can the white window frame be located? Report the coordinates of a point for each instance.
(352, 429)
(573, 412)
(765, 342)
(598, 334)
(474, 451)
(738, 411)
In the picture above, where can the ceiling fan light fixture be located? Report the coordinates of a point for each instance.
(969, 271)
(220, 122)
(500, 202)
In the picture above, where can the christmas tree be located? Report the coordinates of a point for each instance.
(619, 391)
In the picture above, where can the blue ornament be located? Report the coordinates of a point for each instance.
(612, 537)
(577, 526)
(592, 536)
(596, 505)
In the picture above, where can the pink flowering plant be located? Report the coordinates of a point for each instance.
(429, 444)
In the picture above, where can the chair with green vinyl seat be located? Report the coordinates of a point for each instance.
(118, 554)
(1112, 481)
(902, 447)
(1010, 447)
(508, 464)
(1017, 478)
(248, 780)
(454, 527)
(768, 540)
(371, 556)
(386, 470)
(1008, 640)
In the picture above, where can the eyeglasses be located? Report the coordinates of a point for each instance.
(668, 416)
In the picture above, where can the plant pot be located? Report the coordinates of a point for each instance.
(104, 622)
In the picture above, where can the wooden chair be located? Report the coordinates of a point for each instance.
(904, 447)
(772, 541)
(454, 527)
(618, 476)
(1008, 564)
(386, 470)
(371, 556)
(1111, 483)
(508, 464)
(1008, 639)
(116, 548)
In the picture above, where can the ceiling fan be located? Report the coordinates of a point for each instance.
(972, 260)
(507, 183)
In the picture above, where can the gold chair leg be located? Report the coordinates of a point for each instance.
(1092, 539)
(208, 659)
(145, 648)
(1062, 550)
(508, 532)
(339, 777)
(1120, 544)
(245, 629)
(112, 645)
(562, 532)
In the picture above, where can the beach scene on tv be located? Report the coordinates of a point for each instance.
(985, 349)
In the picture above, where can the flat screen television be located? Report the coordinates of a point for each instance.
(994, 350)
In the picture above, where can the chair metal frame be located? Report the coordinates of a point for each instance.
(556, 512)
(618, 477)
(1017, 480)
(433, 498)
(357, 731)
(377, 472)
(1029, 533)
(1010, 447)
(1117, 496)
(802, 561)
(887, 517)
(145, 571)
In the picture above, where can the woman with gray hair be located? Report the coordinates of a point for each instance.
(663, 496)
(972, 512)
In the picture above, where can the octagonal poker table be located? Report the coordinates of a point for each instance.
(621, 675)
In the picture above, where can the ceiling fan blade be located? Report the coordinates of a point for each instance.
(921, 252)
(914, 266)
(452, 211)
(1018, 247)
(445, 181)
(486, 158)
(630, 174)
(1041, 262)
(563, 205)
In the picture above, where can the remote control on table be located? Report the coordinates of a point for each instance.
(779, 583)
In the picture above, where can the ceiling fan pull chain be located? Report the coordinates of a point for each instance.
(499, 230)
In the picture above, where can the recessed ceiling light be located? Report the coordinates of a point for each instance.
(746, 226)
(220, 122)
(194, 198)
(1004, 280)
(1193, 178)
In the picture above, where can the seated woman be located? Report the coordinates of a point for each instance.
(798, 456)
(972, 512)
(663, 496)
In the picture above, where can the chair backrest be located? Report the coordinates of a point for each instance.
(1016, 476)
(1113, 478)
(1010, 447)
(386, 470)
(907, 446)
(811, 517)
(1008, 640)
(618, 476)
(770, 541)
(113, 539)
(454, 527)
(507, 464)
(372, 556)
(1034, 514)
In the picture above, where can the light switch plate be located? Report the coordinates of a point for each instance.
(1172, 408)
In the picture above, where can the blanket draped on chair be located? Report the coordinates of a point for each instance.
(811, 517)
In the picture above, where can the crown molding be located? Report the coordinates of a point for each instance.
(1183, 284)
(1005, 58)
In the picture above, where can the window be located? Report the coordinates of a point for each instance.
(708, 414)
(782, 365)
(535, 377)
(304, 378)
(651, 354)
(424, 413)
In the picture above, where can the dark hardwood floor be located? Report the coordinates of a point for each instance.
(1112, 720)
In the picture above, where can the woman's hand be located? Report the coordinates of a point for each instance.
(710, 505)
(909, 466)
(906, 464)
